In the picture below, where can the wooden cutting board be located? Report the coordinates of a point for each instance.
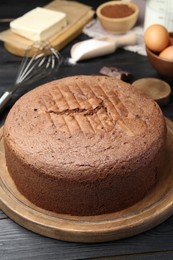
(78, 15)
(155, 208)
(157, 89)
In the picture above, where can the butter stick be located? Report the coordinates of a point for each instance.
(39, 24)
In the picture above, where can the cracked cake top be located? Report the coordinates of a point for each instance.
(84, 122)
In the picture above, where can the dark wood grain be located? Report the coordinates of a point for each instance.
(16, 242)
(2, 215)
(150, 256)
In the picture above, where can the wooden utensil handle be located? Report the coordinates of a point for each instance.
(129, 39)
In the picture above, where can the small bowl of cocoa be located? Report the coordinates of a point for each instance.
(117, 16)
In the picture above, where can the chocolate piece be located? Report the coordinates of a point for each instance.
(117, 11)
(116, 72)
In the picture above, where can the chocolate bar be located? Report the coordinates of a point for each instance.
(116, 72)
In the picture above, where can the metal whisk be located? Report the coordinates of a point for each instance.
(40, 60)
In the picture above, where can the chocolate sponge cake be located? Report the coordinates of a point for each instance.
(85, 145)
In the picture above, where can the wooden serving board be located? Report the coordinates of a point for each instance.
(157, 89)
(155, 208)
(78, 15)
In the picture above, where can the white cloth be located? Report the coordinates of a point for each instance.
(94, 29)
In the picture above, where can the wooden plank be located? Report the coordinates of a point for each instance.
(151, 256)
(17, 242)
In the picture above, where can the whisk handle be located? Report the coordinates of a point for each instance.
(4, 99)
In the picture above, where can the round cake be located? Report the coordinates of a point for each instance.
(85, 145)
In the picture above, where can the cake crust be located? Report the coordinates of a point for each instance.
(85, 145)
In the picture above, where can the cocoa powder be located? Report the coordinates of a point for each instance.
(117, 11)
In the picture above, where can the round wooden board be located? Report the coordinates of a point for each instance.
(156, 89)
(146, 214)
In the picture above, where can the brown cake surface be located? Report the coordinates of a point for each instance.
(85, 145)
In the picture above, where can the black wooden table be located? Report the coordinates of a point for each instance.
(19, 243)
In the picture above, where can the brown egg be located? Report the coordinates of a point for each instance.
(156, 37)
(167, 53)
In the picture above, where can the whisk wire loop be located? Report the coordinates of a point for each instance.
(45, 56)
(40, 60)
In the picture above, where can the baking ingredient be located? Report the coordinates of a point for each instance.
(39, 24)
(117, 11)
(156, 37)
(116, 72)
(167, 53)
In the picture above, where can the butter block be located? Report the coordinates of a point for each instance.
(39, 24)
